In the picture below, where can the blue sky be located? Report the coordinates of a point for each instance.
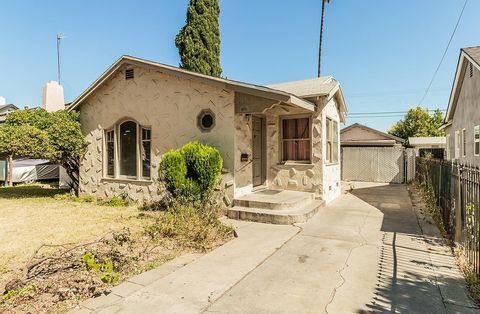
(383, 53)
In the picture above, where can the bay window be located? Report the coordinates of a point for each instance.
(110, 143)
(128, 151)
(296, 139)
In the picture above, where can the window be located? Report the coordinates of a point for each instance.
(464, 142)
(457, 144)
(128, 149)
(331, 129)
(110, 148)
(447, 149)
(476, 140)
(296, 141)
(206, 120)
(146, 154)
(130, 144)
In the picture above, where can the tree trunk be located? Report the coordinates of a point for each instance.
(10, 171)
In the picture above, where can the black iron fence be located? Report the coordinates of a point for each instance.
(456, 192)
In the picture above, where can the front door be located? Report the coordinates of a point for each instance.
(258, 151)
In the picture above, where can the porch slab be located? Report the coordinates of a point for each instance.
(275, 199)
(274, 216)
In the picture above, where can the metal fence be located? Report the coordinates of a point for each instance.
(456, 189)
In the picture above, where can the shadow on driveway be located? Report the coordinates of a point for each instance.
(416, 273)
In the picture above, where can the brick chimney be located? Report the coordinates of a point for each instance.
(53, 98)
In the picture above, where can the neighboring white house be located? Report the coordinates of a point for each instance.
(462, 121)
(283, 136)
(5, 109)
(433, 145)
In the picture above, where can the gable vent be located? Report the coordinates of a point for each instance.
(471, 69)
(129, 74)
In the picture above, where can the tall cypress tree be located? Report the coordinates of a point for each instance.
(198, 42)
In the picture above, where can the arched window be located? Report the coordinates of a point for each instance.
(128, 149)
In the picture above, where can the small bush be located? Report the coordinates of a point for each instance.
(194, 228)
(113, 201)
(192, 171)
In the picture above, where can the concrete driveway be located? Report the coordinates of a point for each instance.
(368, 251)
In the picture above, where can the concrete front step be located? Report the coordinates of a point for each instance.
(276, 216)
(275, 199)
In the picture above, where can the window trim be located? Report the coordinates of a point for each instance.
(457, 145)
(281, 140)
(141, 147)
(117, 146)
(105, 155)
(447, 147)
(464, 142)
(476, 129)
(330, 160)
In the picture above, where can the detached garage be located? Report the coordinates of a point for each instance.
(371, 155)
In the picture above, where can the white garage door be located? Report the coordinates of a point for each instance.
(373, 164)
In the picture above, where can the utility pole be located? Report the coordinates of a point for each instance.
(60, 36)
(321, 36)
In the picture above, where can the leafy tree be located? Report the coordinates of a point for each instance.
(23, 141)
(418, 122)
(36, 133)
(198, 42)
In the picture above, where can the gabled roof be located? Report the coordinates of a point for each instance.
(361, 126)
(467, 55)
(316, 87)
(237, 86)
(8, 106)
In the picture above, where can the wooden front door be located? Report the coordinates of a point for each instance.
(258, 151)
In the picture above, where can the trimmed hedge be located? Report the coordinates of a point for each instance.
(192, 171)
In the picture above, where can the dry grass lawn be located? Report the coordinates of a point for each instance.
(30, 216)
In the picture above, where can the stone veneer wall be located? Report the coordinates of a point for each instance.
(166, 103)
(299, 177)
(243, 145)
(316, 177)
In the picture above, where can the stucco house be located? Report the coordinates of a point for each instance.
(462, 120)
(283, 137)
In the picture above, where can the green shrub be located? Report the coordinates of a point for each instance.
(192, 171)
(105, 268)
(114, 201)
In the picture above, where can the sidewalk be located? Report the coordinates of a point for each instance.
(190, 283)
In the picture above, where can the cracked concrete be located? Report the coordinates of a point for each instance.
(365, 252)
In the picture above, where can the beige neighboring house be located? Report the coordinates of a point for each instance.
(462, 120)
(283, 136)
(359, 135)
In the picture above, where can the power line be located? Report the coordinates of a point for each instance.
(444, 53)
(389, 112)
(394, 92)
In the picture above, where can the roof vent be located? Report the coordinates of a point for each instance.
(471, 69)
(129, 74)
